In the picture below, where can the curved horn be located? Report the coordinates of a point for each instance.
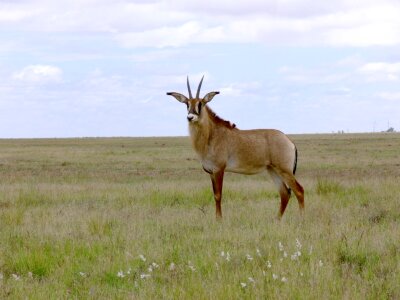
(198, 89)
(188, 86)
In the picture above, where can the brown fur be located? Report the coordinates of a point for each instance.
(221, 147)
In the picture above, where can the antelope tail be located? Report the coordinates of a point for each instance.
(294, 168)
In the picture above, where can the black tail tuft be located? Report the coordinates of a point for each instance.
(294, 167)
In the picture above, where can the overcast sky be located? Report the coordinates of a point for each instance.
(102, 68)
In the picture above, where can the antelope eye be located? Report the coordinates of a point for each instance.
(199, 107)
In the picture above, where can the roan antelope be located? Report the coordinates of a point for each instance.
(222, 147)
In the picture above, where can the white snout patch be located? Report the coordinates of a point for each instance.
(192, 117)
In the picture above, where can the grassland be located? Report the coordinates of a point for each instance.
(134, 218)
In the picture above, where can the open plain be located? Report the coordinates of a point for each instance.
(133, 218)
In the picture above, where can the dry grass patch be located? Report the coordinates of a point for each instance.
(134, 218)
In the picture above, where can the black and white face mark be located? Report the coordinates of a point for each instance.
(194, 110)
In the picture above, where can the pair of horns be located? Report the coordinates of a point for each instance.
(198, 89)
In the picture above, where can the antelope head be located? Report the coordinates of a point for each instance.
(194, 105)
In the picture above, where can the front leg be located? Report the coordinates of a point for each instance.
(217, 179)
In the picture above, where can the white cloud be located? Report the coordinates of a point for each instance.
(283, 8)
(231, 91)
(178, 23)
(8, 14)
(377, 25)
(320, 75)
(160, 37)
(381, 71)
(191, 32)
(370, 26)
(392, 96)
(156, 55)
(90, 15)
(39, 74)
(241, 89)
(381, 67)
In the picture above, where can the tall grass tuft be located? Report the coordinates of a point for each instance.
(325, 187)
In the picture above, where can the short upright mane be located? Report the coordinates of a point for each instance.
(216, 119)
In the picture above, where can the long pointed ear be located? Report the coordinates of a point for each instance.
(209, 96)
(179, 97)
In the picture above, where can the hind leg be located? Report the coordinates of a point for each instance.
(284, 192)
(291, 181)
(285, 196)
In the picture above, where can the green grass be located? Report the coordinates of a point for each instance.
(77, 214)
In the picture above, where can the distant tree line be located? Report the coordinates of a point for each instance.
(391, 129)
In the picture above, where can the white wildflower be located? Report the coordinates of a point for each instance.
(120, 274)
(222, 253)
(258, 252)
(154, 265)
(228, 256)
(191, 267)
(144, 276)
(129, 271)
(274, 276)
(16, 277)
(284, 279)
(301, 274)
(82, 274)
(251, 279)
(171, 267)
(320, 263)
(30, 275)
(243, 284)
(284, 254)
(296, 255)
(249, 257)
(141, 256)
(280, 246)
(298, 244)
(269, 265)
(150, 269)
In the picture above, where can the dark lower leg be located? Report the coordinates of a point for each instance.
(284, 193)
(217, 181)
(299, 192)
